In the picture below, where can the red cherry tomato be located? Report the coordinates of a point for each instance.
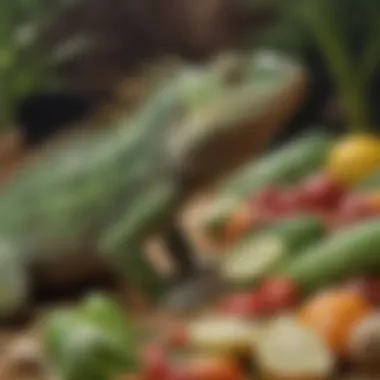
(320, 191)
(243, 304)
(279, 294)
(369, 287)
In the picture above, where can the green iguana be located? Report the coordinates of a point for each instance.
(114, 188)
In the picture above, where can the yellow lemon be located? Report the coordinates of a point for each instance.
(354, 159)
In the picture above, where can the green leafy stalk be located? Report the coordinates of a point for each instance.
(333, 46)
(346, 34)
(371, 53)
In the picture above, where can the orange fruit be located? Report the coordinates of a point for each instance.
(333, 314)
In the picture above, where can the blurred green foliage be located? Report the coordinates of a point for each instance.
(345, 36)
(25, 65)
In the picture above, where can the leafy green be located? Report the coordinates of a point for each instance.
(94, 341)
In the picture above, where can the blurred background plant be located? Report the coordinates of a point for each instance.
(339, 41)
(26, 67)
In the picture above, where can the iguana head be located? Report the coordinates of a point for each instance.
(236, 98)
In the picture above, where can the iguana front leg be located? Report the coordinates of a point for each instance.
(120, 243)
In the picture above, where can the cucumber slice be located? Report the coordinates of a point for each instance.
(252, 258)
(263, 252)
(221, 334)
(289, 350)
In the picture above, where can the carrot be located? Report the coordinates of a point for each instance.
(333, 314)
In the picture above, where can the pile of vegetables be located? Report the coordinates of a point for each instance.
(285, 183)
(302, 302)
(276, 327)
(302, 260)
(300, 274)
